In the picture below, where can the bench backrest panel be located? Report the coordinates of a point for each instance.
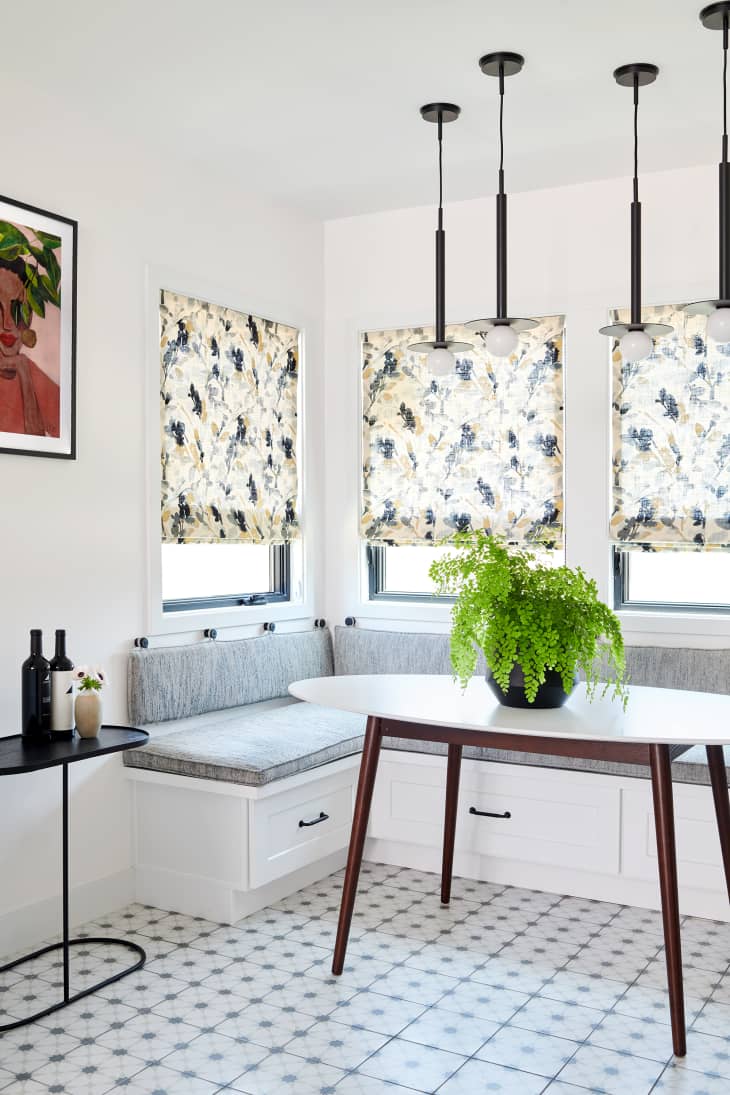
(361, 651)
(175, 682)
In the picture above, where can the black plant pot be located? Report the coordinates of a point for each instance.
(549, 694)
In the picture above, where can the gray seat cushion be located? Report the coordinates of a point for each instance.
(253, 749)
(174, 682)
(239, 746)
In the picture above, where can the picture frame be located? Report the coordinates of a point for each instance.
(38, 267)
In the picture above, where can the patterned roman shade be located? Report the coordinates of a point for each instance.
(482, 448)
(228, 406)
(671, 439)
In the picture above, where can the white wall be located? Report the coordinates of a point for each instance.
(569, 253)
(72, 534)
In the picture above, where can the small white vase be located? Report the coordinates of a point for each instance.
(88, 712)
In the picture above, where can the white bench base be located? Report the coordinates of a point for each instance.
(223, 851)
(578, 833)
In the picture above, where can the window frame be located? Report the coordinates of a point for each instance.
(375, 559)
(279, 576)
(622, 602)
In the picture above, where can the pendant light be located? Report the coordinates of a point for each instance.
(441, 350)
(636, 337)
(501, 331)
(717, 17)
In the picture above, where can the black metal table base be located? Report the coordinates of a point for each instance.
(68, 997)
(22, 756)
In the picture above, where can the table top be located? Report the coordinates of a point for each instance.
(660, 716)
(18, 755)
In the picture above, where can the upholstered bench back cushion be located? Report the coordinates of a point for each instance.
(175, 682)
(359, 651)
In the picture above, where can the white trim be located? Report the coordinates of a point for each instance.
(301, 606)
(30, 925)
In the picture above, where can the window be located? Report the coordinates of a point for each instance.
(196, 576)
(670, 521)
(481, 447)
(401, 573)
(673, 580)
(229, 440)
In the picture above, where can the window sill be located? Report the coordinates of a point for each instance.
(240, 616)
(665, 628)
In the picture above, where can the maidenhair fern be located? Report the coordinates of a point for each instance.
(519, 611)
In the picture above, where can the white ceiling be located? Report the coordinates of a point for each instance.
(316, 103)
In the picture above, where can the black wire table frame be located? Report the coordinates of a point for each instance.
(18, 756)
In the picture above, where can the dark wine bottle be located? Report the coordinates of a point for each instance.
(62, 697)
(36, 689)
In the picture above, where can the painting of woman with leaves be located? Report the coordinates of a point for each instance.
(36, 331)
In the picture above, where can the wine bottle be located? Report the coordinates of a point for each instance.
(62, 698)
(36, 691)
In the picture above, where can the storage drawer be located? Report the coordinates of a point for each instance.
(566, 819)
(297, 827)
(699, 861)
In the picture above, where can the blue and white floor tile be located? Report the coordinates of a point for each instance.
(506, 992)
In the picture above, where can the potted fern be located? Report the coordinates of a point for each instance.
(538, 626)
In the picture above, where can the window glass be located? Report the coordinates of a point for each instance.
(214, 570)
(678, 577)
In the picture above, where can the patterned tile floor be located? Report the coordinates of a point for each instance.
(506, 991)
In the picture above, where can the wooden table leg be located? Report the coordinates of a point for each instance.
(661, 781)
(718, 778)
(365, 784)
(453, 771)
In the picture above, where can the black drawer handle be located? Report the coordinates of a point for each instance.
(486, 813)
(315, 820)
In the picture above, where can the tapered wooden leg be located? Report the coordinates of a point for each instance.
(453, 771)
(661, 781)
(718, 778)
(365, 784)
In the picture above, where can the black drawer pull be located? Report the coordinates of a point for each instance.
(315, 820)
(486, 813)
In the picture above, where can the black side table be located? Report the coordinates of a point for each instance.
(18, 756)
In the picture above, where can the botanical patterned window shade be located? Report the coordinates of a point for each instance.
(228, 390)
(482, 448)
(671, 439)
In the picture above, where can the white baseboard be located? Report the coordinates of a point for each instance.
(29, 926)
(222, 903)
(710, 904)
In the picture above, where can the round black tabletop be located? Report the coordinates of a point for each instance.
(19, 754)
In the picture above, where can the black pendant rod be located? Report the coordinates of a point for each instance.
(724, 178)
(501, 211)
(636, 220)
(440, 246)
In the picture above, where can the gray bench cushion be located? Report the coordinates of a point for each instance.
(174, 682)
(239, 746)
(254, 749)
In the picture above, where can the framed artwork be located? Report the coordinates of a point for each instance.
(37, 331)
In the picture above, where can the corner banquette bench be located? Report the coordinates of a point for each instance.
(243, 796)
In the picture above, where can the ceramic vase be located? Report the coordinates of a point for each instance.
(88, 711)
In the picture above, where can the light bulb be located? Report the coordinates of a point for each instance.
(718, 325)
(501, 341)
(441, 361)
(636, 345)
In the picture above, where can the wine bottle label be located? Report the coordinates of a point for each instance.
(62, 700)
